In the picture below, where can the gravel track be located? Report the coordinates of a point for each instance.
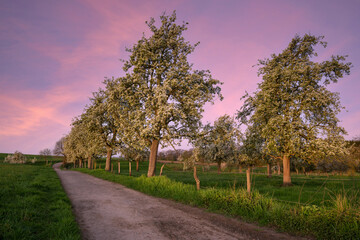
(106, 210)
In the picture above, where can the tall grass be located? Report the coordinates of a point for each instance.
(306, 190)
(322, 222)
(33, 204)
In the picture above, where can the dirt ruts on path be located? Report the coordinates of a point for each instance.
(106, 210)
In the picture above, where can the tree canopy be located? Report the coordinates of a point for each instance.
(165, 94)
(160, 101)
(292, 107)
(218, 143)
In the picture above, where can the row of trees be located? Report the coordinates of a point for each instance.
(160, 101)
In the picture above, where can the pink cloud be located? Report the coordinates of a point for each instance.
(24, 111)
(85, 39)
(81, 68)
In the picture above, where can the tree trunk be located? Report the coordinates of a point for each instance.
(240, 169)
(153, 157)
(161, 169)
(219, 167)
(108, 159)
(286, 171)
(129, 168)
(137, 165)
(269, 170)
(248, 180)
(89, 162)
(118, 167)
(278, 168)
(196, 179)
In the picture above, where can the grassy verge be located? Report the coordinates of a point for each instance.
(33, 204)
(306, 190)
(341, 220)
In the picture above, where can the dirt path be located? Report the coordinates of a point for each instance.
(106, 210)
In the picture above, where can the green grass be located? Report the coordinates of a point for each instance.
(328, 207)
(306, 190)
(33, 204)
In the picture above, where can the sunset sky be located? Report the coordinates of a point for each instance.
(54, 54)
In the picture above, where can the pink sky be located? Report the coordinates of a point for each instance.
(53, 54)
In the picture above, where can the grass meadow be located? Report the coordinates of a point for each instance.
(325, 207)
(33, 204)
(319, 190)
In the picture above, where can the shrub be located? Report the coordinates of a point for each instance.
(16, 158)
(334, 164)
(67, 165)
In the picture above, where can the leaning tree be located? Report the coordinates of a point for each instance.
(296, 113)
(165, 95)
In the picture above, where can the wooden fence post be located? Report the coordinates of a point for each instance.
(248, 181)
(196, 179)
(129, 168)
(161, 169)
